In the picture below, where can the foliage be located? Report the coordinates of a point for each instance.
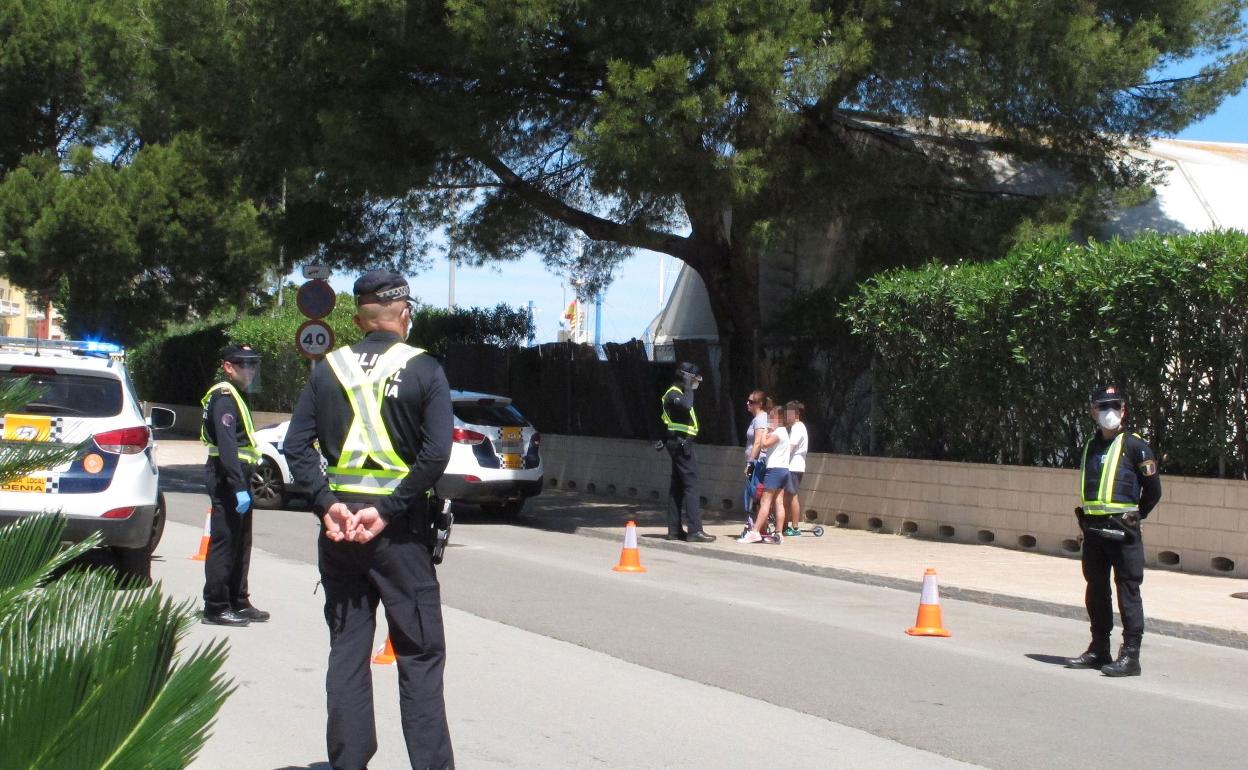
(71, 73)
(127, 248)
(87, 673)
(994, 362)
(584, 129)
(177, 367)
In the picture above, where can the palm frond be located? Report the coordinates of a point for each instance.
(30, 553)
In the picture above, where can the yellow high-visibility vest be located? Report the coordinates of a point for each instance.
(367, 439)
(679, 427)
(1103, 504)
(249, 452)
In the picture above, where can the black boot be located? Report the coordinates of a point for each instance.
(1096, 656)
(1128, 663)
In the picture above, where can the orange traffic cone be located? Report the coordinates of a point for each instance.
(928, 623)
(203, 541)
(630, 557)
(385, 655)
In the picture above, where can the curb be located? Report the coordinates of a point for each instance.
(1223, 637)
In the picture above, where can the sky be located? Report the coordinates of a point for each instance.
(632, 301)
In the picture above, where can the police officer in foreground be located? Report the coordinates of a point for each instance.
(1120, 486)
(381, 411)
(681, 422)
(232, 454)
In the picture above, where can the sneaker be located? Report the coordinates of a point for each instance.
(750, 537)
(772, 539)
(792, 532)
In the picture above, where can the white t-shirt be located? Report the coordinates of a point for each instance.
(778, 453)
(758, 423)
(797, 447)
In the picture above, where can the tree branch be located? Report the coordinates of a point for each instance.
(595, 227)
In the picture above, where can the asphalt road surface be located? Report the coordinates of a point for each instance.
(555, 660)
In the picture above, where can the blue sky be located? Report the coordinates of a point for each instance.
(632, 300)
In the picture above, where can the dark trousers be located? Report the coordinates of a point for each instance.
(1126, 559)
(396, 570)
(682, 494)
(229, 549)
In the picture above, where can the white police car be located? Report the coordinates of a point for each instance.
(495, 458)
(112, 485)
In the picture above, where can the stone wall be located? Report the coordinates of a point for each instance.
(1200, 526)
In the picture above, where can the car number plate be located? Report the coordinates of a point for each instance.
(24, 484)
(513, 462)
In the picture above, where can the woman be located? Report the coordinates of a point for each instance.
(775, 442)
(758, 404)
(794, 413)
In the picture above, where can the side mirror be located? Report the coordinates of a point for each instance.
(161, 418)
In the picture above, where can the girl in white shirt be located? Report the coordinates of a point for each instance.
(776, 443)
(794, 413)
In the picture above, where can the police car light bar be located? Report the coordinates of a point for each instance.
(81, 347)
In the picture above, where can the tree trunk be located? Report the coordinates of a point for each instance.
(731, 278)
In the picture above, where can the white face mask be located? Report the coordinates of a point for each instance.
(1109, 419)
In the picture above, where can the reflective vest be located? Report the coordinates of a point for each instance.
(367, 439)
(249, 452)
(672, 425)
(1104, 504)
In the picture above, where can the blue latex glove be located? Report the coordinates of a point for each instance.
(242, 502)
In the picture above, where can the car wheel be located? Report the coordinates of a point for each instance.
(134, 565)
(268, 490)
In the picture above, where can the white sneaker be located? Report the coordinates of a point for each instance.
(750, 537)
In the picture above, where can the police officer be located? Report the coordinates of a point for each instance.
(381, 411)
(681, 423)
(232, 453)
(1120, 486)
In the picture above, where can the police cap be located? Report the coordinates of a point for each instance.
(1106, 393)
(239, 354)
(380, 286)
(690, 369)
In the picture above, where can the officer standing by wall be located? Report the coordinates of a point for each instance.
(381, 411)
(681, 422)
(1120, 486)
(232, 452)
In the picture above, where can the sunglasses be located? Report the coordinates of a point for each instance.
(1101, 407)
(753, 401)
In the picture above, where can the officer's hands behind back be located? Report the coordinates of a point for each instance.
(368, 525)
(338, 521)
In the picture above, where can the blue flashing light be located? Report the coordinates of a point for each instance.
(99, 346)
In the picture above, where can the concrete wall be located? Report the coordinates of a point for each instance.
(1201, 525)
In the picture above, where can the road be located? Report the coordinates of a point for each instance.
(556, 661)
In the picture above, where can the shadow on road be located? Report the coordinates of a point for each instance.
(558, 511)
(313, 766)
(1055, 660)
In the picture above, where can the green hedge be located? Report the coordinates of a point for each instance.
(178, 366)
(993, 362)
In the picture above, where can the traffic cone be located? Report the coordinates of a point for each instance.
(385, 654)
(203, 541)
(630, 557)
(928, 622)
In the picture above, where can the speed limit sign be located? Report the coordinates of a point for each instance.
(314, 339)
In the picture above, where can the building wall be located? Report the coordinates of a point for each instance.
(1201, 525)
(20, 316)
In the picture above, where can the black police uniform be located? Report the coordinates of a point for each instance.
(1116, 542)
(394, 568)
(226, 594)
(682, 495)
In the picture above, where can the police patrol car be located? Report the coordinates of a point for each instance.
(112, 485)
(495, 462)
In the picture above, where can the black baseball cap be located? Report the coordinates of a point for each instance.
(380, 286)
(1106, 393)
(238, 354)
(689, 368)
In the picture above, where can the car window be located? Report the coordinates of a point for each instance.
(78, 395)
(492, 415)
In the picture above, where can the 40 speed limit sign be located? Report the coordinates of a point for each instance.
(314, 339)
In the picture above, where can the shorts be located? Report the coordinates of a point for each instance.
(793, 482)
(775, 478)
